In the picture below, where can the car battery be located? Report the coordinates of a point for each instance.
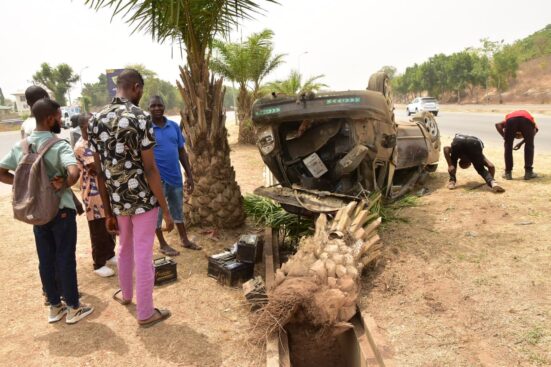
(233, 273)
(165, 270)
(217, 261)
(249, 248)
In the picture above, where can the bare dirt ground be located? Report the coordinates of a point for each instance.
(466, 281)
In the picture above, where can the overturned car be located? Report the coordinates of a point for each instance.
(332, 146)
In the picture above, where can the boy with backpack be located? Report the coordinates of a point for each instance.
(45, 169)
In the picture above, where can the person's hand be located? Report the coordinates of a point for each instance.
(111, 225)
(451, 185)
(189, 186)
(91, 168)
(58, 183)
(169, 223)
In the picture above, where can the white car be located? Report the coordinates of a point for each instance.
(421, 104)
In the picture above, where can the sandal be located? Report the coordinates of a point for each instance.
(122, 301)
(192, 246)
(162, 314)
(169, 251)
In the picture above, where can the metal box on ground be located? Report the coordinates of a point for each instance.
(249, 248)
(165, 270)
(217, 261)
(232, 273)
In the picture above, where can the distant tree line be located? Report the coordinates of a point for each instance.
(492, 64)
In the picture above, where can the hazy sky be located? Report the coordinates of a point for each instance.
(346, 40)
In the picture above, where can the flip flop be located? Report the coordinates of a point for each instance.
(192, 246)
(120, 300)
(169, 251)
(163, 313)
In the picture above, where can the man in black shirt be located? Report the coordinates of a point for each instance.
(466, 150)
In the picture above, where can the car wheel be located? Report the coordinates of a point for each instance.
(407, 111)
(380, 82)
(429, 122)
(435, 113)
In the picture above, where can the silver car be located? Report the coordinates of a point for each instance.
(422, 104)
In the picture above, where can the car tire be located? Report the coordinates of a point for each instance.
(380, 82)
(429, 122)
(435, 113)
(407, 111)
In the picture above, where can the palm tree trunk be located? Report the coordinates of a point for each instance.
(216, 199)
(246, 129)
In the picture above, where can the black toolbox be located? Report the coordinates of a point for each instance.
(249, 248)
(165, 270)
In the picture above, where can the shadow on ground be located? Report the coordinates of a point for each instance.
(181, 344)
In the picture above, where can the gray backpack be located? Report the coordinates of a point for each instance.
(34, 201)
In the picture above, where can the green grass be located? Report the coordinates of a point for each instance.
(267, 213)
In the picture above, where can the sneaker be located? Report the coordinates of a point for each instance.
(104, 271)
(451, 185)
(57, 313)
(113, 260)
(528, 175)
(74, 315)
(507, 176)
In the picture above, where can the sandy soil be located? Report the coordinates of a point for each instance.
(465, 282)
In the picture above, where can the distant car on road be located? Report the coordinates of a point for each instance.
(420, 104)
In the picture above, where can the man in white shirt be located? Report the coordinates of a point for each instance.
(32, 94)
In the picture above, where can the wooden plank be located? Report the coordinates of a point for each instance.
(272, 351)
(275, 248)
(284, 353)
(368, 357)
(269, 259)
(379, 344)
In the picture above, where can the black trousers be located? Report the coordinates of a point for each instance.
(526, 127)
(472, 148)
(56, 244)
(103, 243)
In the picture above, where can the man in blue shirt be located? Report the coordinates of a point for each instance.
(169, 154)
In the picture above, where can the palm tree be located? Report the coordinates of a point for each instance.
(194, 24)
(293, 84)
(247, 64)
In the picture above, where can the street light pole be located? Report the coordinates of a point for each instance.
(80, 77)
(303, 53)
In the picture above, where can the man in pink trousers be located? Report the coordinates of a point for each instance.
(121, 137)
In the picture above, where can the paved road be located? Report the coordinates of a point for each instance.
(478, 124)
(482, 126)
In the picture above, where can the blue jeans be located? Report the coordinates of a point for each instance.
(56, 245)
(175, 199)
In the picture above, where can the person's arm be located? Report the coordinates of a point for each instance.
(110, 219)
(452, 166)
(500, 127)
(184, 160)
(6, 176)
(490, 166)
(154, 181)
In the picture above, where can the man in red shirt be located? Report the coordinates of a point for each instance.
(516, 122)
